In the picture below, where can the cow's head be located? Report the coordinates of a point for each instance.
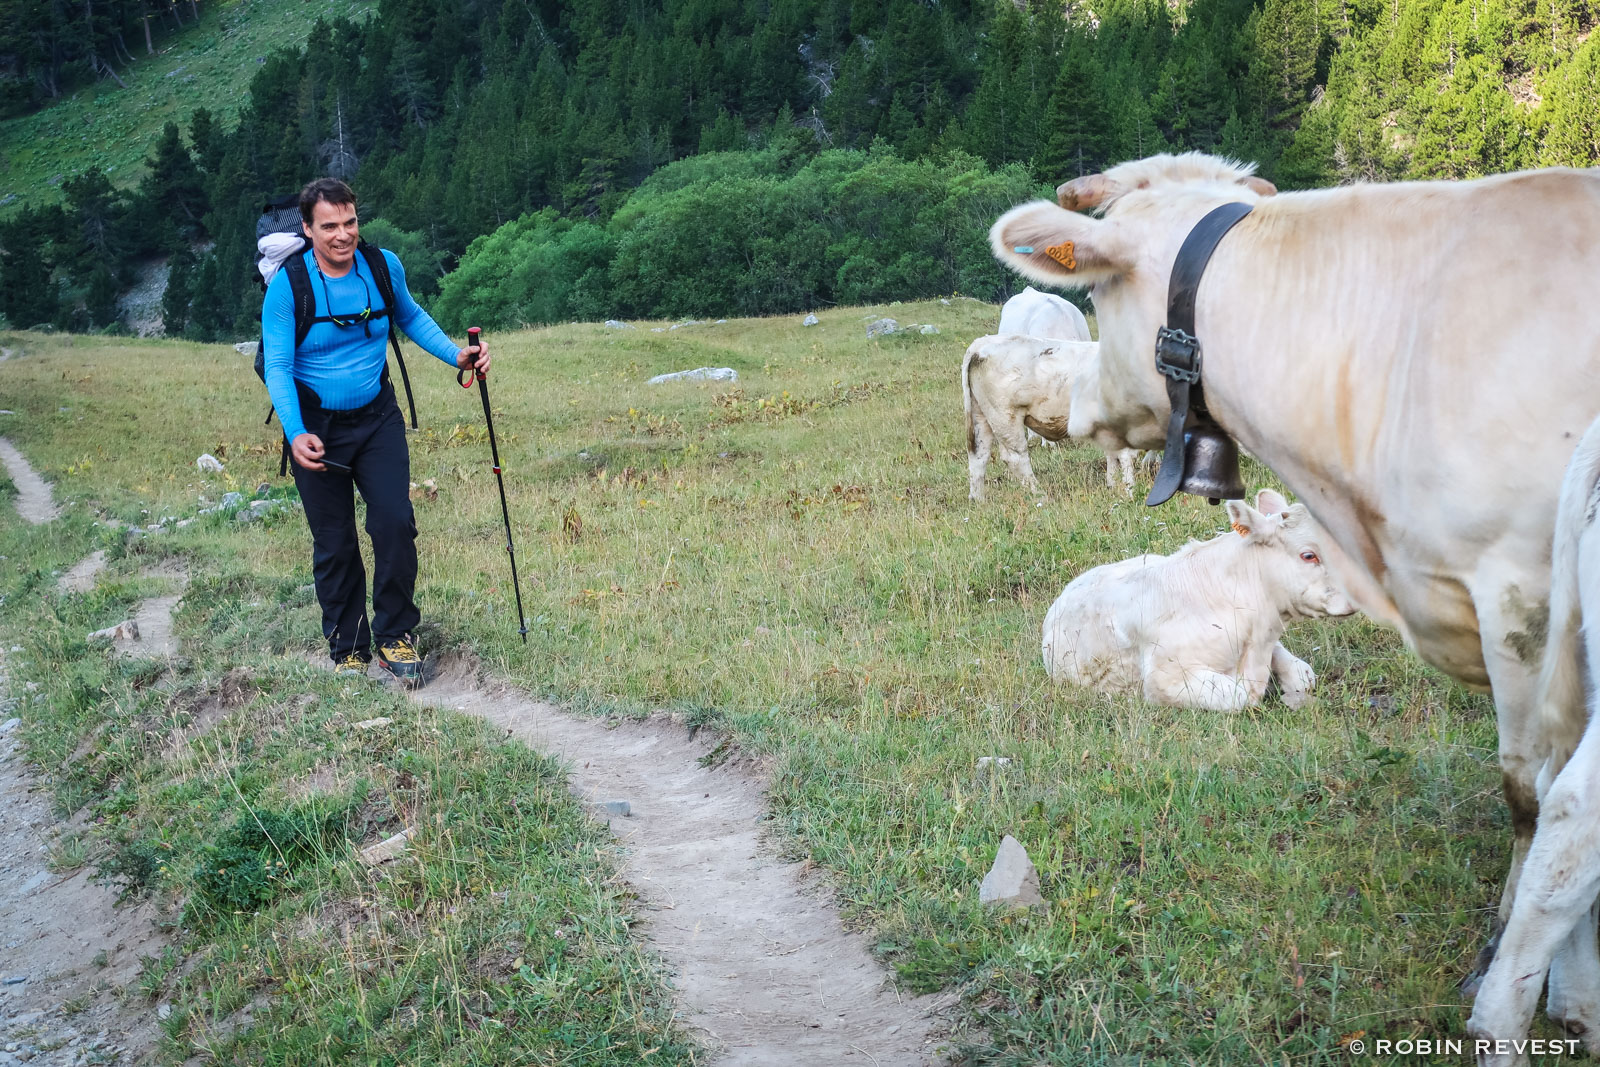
(1285, 543)
(1124, 257)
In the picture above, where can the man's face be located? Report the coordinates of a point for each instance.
(333, 232)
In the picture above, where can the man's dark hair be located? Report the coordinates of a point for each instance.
(331, 190)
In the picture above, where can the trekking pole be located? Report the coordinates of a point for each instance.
(494, 451)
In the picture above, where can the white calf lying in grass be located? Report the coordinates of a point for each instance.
(1199, 628)
(1011, 384)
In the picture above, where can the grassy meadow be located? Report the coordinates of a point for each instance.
(115, 129)
(790, 560)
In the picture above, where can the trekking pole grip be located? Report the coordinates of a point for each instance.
(469, 370)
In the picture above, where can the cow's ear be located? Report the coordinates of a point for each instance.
(1271, 502)
(1060, 248)
(1251, 524)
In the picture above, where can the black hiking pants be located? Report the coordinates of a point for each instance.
(371, 441)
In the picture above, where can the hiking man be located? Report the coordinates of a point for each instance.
(332, 395)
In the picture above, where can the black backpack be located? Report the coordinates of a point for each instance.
(282, 216)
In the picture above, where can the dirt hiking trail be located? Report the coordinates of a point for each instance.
(33, 492)
(766, 973)
(70, 959)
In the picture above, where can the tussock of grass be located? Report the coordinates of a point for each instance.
(793, 557)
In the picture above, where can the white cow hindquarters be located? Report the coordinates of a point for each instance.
(1552, 922)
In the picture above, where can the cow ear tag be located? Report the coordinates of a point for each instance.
(1062, 254)
(1242, 531)
(1022, 250)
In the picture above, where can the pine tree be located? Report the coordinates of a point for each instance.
(175, 298)
(1078, 122)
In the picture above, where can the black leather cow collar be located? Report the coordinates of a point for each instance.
(1178, 349)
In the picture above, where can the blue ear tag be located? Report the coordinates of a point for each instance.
(1022, 250)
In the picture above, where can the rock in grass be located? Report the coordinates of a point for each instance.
(1012, 881)
(617, 324)
(810, 320)
(879, 327)
(619, 808)
(126, 630)
(699, 374)
(209, 464)
(371, 724)
(389, 848)
(232, 500)
(9, 725)
(929, 328)
(990, 764)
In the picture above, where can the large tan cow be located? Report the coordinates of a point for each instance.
(1417, 362)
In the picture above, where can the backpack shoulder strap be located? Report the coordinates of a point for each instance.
(305, 302)
(378, 264)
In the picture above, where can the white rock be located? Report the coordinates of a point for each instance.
(232, 500)
(879, 327)
(930, 328)
(617, 324)
(9, 725)
(126, 630)
(1012, 880)
(943, 301)
(371, 724)
(245, 348)
(185, 522)
(209, 463)
(989, 764)
(810, 320)
(619, 808)
(719, 323)
(699, 374)
(389, 848)
(658, 329)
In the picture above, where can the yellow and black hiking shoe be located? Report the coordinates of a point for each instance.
(399, 657)
(351, 664)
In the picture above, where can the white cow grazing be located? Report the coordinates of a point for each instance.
(1427, 433)
(1199, 628)
(1012, 385)
(1047, 315)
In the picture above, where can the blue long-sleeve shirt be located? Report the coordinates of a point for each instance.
(341, 364)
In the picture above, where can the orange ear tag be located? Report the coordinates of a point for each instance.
(1062, 254)
(1242, 531)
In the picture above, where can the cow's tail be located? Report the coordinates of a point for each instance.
(1561, 694)
(973, 354)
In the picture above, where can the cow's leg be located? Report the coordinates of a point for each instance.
(1167, 681)
(1513, 675)
(979, 446)
(1294, 676)
(1559, 881)
(1010, 437)
(1125, 461)
(1575, 968)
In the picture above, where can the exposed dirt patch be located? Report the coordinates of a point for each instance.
(154, 616)
(34, 501)
(765, 970)
(82, 576)
(78, 953)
